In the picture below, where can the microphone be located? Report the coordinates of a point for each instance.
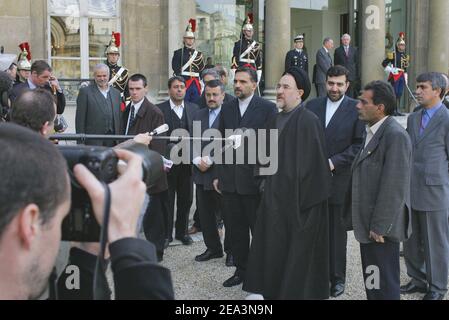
(162, 129)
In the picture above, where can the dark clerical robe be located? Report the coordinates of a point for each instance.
(289, 257)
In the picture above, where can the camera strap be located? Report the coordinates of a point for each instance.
(101, 287)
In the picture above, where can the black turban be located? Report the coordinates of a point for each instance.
(302, 80)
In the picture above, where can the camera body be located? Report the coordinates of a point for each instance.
(80, 225)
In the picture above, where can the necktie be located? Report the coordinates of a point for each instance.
(347, 51)
(424, 121)
(212, 117)
(131, 117)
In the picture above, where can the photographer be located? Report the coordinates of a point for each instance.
(35, 110)
(30, 220)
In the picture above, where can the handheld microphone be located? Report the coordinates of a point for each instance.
(160, 130)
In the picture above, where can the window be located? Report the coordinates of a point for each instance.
(80, 32)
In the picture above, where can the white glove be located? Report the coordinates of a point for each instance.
(259, 76)
(232, 75)
(406, 78)
(389, 69)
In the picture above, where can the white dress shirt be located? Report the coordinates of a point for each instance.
(331, 109)
(31, 84)
(371, 131)
(243, 105)
(136, 109)
(177, 109)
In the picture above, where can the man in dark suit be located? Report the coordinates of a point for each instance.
(427, 252)
(237, 181)
(209, 75)
(323, 63)
(348, 57)
(344, 136)
(203, 175)
(98, 108)
(178, 114)
(381, 192)
(41, 77)
(142, 117)
(201, 102)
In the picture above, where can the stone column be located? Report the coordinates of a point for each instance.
(438, 55)
(372, 27)
(277, 43)
(179, 14)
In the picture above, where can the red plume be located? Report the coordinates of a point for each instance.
(116, 36)
(193, 23)
(251, 18)
(26, 46)
(402, 35)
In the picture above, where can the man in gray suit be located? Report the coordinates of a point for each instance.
(380, 199)
(323, 64)
(98, 108)
(427, 252)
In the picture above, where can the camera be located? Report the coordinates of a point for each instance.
(80, 224)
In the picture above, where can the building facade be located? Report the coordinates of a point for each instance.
(73, 34)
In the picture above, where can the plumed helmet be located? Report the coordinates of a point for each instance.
(24, 59)
(114, 44)
(191, 28)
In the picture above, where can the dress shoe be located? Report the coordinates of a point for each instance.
(193, 230)
(410, 288)
(433, 296)
(233, 281)
(337, 290)
(230, 260)
(186, 240)
(209, 255)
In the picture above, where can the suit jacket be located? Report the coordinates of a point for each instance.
(95, 114)
(204, 178)
(60, 101)
(323, 63)
(350, 62)
(344, 138)
(430, 176)
(148, 118)
(241, 178)
(202, 103)
(380, 199)
(190, 110)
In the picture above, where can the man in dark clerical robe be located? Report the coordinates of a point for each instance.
(289, 257)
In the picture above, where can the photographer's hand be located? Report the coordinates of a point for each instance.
(127, 196)
(143, 138)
